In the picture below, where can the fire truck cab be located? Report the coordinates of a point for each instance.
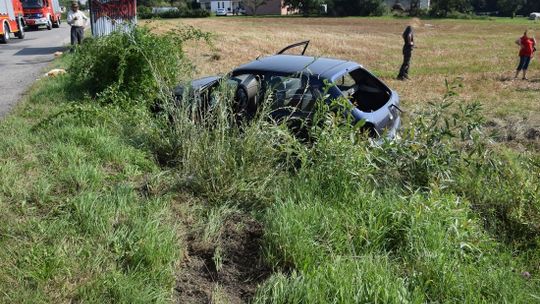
(11, 20)
(42, 13)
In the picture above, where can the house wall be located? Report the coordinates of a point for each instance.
(271, 7)
(424, 4)
(214, 5)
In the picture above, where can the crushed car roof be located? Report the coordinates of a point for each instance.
(290, 64)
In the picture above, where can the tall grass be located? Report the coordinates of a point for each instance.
(74, 226)
(359, 217)
(356, 221)
(80, 220)
(216, 157)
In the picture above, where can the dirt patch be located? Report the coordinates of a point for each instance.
(532, 134)
(515, 131)
(227, 271)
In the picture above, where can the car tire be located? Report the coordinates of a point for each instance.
(20, 33)
(49, 25)
(241, 104)
(5, 37)
(56, 24)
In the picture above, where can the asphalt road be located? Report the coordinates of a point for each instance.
(22, 61)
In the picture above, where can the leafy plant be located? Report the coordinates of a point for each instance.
(135, 65)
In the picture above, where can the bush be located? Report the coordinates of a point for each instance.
(144, 12)
(183, 12)
(359, 8)
(136, 65)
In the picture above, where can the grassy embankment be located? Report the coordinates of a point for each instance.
(106, 202)
(76, 223)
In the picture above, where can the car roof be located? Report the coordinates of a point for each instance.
(327, 68)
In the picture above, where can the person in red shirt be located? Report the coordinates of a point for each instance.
(527, 47)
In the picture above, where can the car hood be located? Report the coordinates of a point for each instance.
(197, 84)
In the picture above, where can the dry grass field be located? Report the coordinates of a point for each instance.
(481, 52)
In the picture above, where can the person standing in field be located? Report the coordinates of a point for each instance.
(408, 39)
(78, 21)
(527, 46)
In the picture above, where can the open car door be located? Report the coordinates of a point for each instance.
(295, 45)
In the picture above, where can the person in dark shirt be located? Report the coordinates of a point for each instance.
(408, 39)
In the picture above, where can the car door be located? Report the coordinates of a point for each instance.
(292, 99)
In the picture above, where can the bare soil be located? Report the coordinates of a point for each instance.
(234, 281)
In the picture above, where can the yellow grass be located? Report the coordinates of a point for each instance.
(482, 52)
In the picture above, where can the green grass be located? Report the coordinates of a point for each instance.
(353, 230)
(103, 201)
(74, 225)
(358, 245)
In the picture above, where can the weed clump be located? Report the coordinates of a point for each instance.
(134, 65)
(357, 216)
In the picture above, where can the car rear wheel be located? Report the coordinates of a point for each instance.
(20, 33)
(4, 38)
(57, 23)
(241, 104)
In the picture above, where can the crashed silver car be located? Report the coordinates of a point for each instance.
(294, 83)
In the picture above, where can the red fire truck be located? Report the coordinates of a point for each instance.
(11, 20)
(42, 12)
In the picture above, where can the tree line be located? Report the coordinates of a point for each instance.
(438, 8)
(507, 8)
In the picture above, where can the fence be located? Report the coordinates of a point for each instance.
(107, 16)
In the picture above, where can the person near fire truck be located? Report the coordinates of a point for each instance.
(78, 20)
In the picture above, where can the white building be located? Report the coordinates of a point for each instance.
(229, 5)
(424, 4)
(163, 9)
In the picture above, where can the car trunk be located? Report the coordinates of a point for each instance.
(365, 91)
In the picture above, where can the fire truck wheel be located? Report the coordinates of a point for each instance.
(4, 38)
(20, 33)
(49, 25)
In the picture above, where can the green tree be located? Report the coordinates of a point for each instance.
(253, 5)
(441, 8)
(307, 7)
(356, 7)
(509, 7)
(485, 5)
(414, 9)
